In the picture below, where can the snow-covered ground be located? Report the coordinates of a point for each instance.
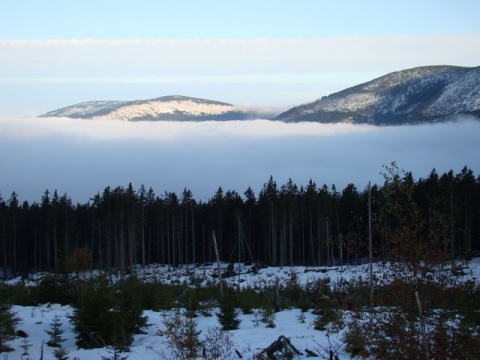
(250, 339)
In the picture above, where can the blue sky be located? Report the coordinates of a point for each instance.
(260, 53)
(269, 54)
(90, 19)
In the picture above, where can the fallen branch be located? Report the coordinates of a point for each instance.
(238, 354)
(282, 345)
(311, 353)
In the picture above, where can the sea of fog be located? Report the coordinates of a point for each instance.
(82, 157)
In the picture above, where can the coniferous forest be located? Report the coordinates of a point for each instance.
(283, 225)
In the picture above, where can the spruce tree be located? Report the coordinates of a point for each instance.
(93, 318)
(26, 348)
(129, 301)
(8, 321)
(108, 315)
(60, 353)
(55, 333)
(228, 315)
(56, 339)
(115, 351)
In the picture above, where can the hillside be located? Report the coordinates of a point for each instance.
(167, 108)
(418, 95)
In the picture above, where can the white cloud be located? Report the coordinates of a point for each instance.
(232, 58)
(31, 128)
(83, 157)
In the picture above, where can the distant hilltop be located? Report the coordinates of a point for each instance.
(413, 96)
(167, 108)
(419, 95)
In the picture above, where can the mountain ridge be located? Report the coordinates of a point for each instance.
(165, 108)
(417, 95)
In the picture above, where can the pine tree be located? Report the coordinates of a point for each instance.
(55, 333)
(8, 321)
(115, 351)
(56, 339)
(129, 300)
(108, 315)
(60, 353)
(92, 317)
(25, 347)
(228, 315)
(268, 316)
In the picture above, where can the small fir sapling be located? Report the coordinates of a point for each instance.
(55, 333)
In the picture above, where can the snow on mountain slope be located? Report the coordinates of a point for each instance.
(156, 109)
(163, 108)
(418, 95)
(85, 109)
(423, 94)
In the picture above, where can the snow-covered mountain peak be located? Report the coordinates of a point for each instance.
(174, 107)
(415, 95)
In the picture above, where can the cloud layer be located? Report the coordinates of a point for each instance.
(83, 157)
(231, 58)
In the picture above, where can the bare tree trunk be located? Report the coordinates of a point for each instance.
(65, 240)
(169, 259)
(329, 260)
(319, 242)
(55, 242)
(370, 256)
(193, 242)
(108, 247)
(14, 245)
(423, 327)
(340, 244)
(186, 236)
(452, 230)
(291, 237)
(5, 254)
(36, 255)
(273, 235)
(143, 239)
(310, 239)
(173, 241)
(131, 242)
(218, 263)
(203, 245)
(302, 222)
(47, 250)
(122, 244)
(283, 240)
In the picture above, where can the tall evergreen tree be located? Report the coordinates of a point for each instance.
(288, 224)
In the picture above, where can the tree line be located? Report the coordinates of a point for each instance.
(284, 225)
